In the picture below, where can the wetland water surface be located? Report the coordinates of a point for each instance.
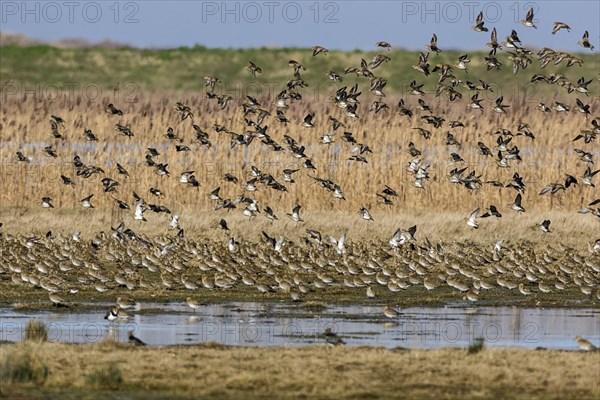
(278, 324)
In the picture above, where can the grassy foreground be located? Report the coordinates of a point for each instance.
(116, 371)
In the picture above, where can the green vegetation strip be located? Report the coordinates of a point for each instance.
(183, 69)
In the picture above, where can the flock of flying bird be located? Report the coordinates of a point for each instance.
(347, 100)
(127, 259)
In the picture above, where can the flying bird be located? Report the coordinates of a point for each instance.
(318, 50)
(364, 213)
(585, 41)
(401, 237)
(223, 225)
(545, 226)
(253, 68)
(472, 219)
(384, 45)
(432, 46)
(560, 25)
(86, 202)
(517, 204)
(478, 27)
(492, 211)
(528, 21)
(139, 210)
(47, 202)
(112, 110)
(295, 214)
(308, 121)
(174, 224)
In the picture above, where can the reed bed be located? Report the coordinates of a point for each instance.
(148, 110)
(546, 159)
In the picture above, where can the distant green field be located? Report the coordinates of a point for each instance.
(182, 69)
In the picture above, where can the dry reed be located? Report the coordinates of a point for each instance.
(546, 159)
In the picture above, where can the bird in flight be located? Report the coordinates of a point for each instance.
(472, 219)
(528, 21)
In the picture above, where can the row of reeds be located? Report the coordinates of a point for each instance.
(545, 160)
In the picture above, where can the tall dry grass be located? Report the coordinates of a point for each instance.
(25, 127)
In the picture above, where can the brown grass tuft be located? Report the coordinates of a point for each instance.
(36, 331)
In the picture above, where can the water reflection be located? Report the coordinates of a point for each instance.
(274, 324)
